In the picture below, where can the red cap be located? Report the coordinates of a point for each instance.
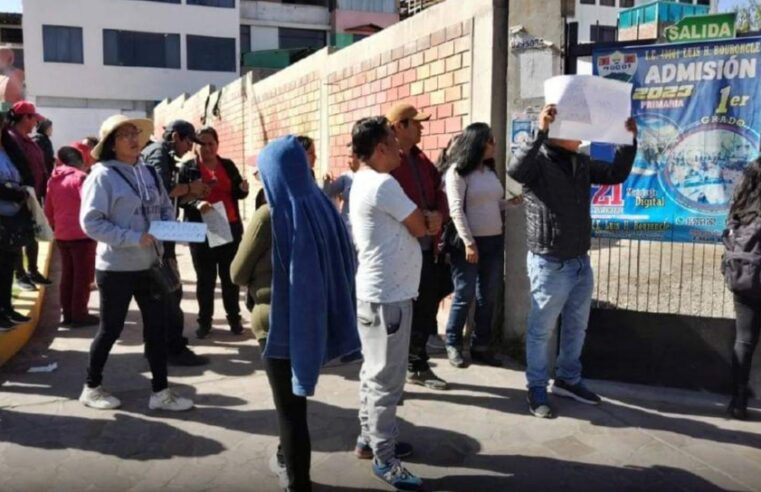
(25, 107)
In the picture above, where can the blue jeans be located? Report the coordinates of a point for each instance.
(480, 281)
(557, 288)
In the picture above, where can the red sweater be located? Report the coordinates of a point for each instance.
(63, 202)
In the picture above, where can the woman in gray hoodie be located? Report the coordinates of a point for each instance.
(120, 198)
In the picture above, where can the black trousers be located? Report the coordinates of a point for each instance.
(295, 444)
(435, 285)
(32, 250)
(175, 318)
(116, 292)
(8, 261)
(210, 263)
(748, 328)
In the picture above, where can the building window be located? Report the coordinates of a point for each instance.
(228, 4)
(625, 4)
(62, 44)
(703, 2)
(11, 35)
(608, 3)
(602, 34)
(588, 2)
(300, 38)
(384, 6)
(211, 54)
(317, 3)
(141, 49)
(245, 38)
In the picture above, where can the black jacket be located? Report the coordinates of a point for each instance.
(189, 172)
(161, 156)
(558, 217)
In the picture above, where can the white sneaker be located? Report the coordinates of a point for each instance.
(168, 400)
(99, 398)
(435, 344)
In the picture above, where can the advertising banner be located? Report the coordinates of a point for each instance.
(698, 109)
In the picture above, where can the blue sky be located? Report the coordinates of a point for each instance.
(725, 5)
(15, 6)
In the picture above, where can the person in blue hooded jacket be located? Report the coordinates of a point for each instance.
(313, 307)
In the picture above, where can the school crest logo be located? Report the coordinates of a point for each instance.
(617, 66)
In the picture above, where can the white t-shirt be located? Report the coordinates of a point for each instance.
(389, 256)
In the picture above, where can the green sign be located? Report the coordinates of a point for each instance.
(702, 28)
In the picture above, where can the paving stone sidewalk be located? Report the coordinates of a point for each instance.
(475, 437)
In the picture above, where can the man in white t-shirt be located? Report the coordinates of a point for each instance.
(385, 224)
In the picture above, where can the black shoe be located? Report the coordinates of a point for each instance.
(236, 327)
(577, 391)
(203, 330)
(454, 355)
(738, 407)
(485, 357)
(25, 283)
(539, 404)
(6, 324)
(16, 317)
(187, 358)
(37, 278)
(89, 320)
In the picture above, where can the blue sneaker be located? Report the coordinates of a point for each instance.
(538, 403)
(395, 474)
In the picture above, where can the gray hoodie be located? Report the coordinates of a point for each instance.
(111, 214)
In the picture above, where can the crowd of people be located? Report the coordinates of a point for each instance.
(364, 282)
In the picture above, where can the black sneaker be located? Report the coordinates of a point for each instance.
(203, 330)
(485, 357)
(37, 278)
(454, 354)
(6, 324)
(577, 391)
(187, 358)
(236, 327)
(25, 283)
(16, 317)
(539, 404)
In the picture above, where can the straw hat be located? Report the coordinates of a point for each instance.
(114, 122)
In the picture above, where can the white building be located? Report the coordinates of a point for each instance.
(597, 19)
(88, 59)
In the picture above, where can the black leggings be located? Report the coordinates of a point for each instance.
(7, 265)
(292, 422)
(116, 292)
(32, 250)
(748, 328)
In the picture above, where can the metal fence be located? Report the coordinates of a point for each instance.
(659, 277)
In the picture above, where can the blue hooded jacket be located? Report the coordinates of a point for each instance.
(313, 315)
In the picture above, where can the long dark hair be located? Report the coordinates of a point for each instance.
(746, 204)
(107, 152)
(443, 161)
(43, 126)
(467, 151)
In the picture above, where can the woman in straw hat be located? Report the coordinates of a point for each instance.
(121, 197)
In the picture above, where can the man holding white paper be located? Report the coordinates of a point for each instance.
(556, 181)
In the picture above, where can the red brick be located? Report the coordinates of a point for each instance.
(453, 125)
(386, 83)
(397, 80)
(444, 111)
(405, 63)
(392, 95)
(423, 100)
(404, 91)
(410, 76)
(429, 142)
(443, 140)
(453, 94)
(437, 126)
(381, 97)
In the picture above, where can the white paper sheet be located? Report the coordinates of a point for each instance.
(590, 108)
(218, 232)
(179, 232)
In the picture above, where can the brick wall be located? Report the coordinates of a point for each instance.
(425, 60)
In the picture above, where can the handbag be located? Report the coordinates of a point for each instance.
(450, 241)
(163, 276)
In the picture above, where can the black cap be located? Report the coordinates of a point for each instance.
(183, 128)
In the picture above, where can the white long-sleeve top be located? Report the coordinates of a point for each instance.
(478, 214)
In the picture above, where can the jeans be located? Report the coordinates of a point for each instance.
(116, 292)
(384, 330)
(210, 262)
(748, 328)
(8, 261)
(435, 284)
(558, 288)
(480, 281)
(295, 443)
(77, 270)
(32, 250)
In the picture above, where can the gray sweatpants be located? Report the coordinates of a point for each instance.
(384, 330)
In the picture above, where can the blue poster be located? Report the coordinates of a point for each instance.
(698, 109)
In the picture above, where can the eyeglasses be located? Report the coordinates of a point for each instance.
(129, 134)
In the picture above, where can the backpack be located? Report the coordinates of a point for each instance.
(741, 262)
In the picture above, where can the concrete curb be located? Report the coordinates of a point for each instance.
(30, 304)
